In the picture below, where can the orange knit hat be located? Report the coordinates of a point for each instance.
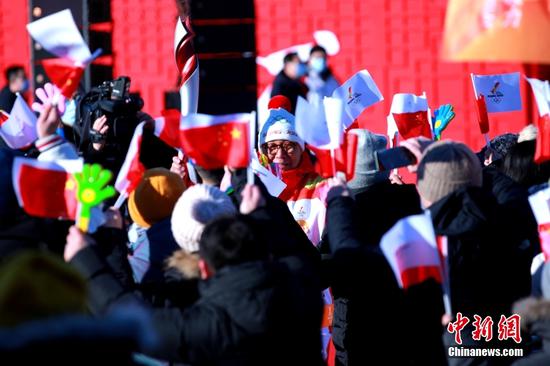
(155, 196)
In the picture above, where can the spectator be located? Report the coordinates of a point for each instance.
(288, 81)
(17, 82)
(320, 80)
(246, 305)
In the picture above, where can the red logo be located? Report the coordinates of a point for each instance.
(508, 328)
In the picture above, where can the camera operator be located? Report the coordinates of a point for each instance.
(106, 118)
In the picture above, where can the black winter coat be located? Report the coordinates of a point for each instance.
(489, 258)
(290, 88)
(255, 313)
(368, 302)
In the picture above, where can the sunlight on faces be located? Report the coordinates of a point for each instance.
(285, 153)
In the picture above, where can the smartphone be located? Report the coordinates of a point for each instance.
(393, 158)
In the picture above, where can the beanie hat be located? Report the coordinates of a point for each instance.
(35, 285)
(365, 165)
(280, 101)
(196, 207)
(155, 196)
(501, 144)
(446, 167)
(280, 125)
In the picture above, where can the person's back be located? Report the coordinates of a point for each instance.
(261, 312)
(264, 314)
(252, 310)
(488, 264)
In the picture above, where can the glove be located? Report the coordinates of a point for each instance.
(47, 95)
(442, 117)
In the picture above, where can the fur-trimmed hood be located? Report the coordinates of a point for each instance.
(535, 316)
(185, 263)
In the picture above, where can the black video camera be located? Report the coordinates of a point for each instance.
(112, 99)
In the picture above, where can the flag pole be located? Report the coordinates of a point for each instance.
(120, 200)
(429, 113)
(252, 141)
(333, 159)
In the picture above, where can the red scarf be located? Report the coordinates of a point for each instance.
(296, 179)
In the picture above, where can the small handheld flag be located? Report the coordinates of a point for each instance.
(18, 129)
(410, 113)
(541, 91)
(501, 91)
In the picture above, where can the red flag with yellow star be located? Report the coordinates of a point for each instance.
(215, 141)
(64, 73)
(46, 189)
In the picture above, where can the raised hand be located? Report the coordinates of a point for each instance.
(442, 117)
(50, 94)
(91, 191)
(47, 122)
(252, 199)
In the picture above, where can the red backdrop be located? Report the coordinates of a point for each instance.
(398, 41)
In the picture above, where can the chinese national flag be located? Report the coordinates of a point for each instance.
(64, 74)
(46, 189)
(343, 156)
(410, 113)
(215, 141)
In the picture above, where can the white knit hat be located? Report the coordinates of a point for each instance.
(196, 207)
(280, 125)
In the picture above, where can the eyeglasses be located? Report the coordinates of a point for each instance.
(288, 148)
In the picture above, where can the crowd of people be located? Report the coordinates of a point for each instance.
(219, 272)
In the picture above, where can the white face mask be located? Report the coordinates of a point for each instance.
(69, 117)
(318, 64)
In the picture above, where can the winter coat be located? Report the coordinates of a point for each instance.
(379, 206)
(73, 340)
(290, 88)
(149, 251)
(489, 259)
(243, 315)
(375, 210)
(320, 86)
(305, 196)
(368, 322)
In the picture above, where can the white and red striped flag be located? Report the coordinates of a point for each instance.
(411, 249)
(541, 90)
(132, 169)
(46, 189)
(58, 34)
(540, 204)
(167, 127)
(410, 113)
(18, 130)
(188, 66)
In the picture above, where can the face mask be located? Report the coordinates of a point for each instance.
(69, 117)
(301, 70)
(25, 85)
(318, 64)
